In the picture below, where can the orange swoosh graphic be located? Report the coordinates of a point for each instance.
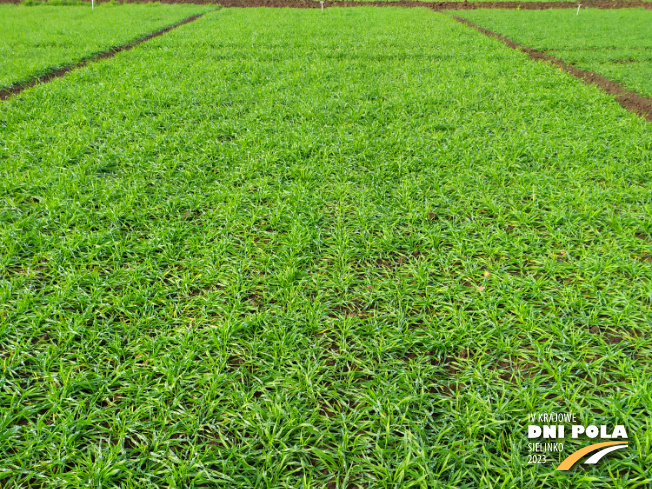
(575, 456)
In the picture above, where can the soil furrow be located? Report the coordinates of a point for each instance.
(628, 99)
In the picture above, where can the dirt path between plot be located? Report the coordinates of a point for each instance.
(5, 93)
(628, 99)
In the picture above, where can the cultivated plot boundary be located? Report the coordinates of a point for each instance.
(15, 89)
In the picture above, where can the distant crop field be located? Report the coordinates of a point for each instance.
(38, 39)
(347, 249)
(616, 44)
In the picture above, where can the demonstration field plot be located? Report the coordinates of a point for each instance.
(38, 39)
(288, 248)
(614, 43)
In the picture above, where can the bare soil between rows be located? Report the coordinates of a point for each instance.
(461, 5)
(5, 93)
(628, 99)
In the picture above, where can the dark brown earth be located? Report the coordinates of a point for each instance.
(460, 5)
(5, 93)
(628, 99)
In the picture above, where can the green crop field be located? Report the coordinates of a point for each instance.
(350, 249)
(38, 39)
(616, 44)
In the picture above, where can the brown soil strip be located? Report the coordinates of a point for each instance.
(459, 5)
(5, 93)
(628, 99)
